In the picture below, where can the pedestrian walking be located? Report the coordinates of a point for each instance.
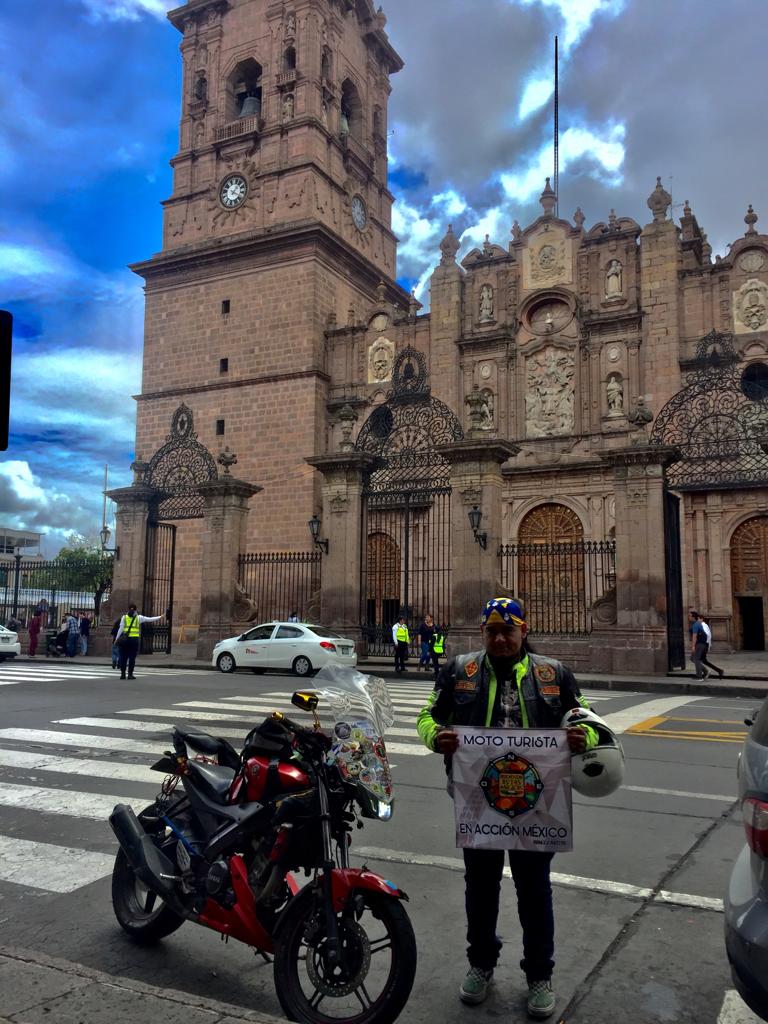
(115, 648)
(35, 626)
(401, 638)
(701, 641)
(85, 632)
(505, 686)
(437, 649)
(293, 617)
(128, 636)
(426, 632)
(73, 634)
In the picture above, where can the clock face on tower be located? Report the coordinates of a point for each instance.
(233, 191)
(359, 213)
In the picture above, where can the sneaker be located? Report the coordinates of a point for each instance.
(475, 986)
(541, 999)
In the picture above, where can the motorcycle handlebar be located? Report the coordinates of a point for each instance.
(311, 737)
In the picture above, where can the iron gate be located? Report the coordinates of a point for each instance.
(406, 508)
(675, 624)
(158, 587)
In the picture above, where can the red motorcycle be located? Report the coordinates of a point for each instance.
(220, 852)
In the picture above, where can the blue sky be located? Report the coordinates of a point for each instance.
(89, 122)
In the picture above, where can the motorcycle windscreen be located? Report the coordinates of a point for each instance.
(359, 753)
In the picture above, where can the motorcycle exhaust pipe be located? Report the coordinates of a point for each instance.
(150, 865)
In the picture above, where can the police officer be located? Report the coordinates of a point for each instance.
(130, 628)
(402, 638)
(507, 686)
(437, 648)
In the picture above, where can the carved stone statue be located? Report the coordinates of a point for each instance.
(288, 106)
(614, 393)
(201, 88)
(486, 303)
(486, 409)
(614, 280)
(640, 414)
(324, 113)
(290, 25)
(380, 361)
(344, 122)
(549, 402)
(245, 609)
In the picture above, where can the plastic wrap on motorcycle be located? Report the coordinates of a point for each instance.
(346, 880)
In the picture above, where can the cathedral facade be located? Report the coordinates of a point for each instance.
(592, 394)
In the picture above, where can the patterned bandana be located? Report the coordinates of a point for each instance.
(503, 609)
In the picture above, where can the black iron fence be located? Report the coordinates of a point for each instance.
(54, 587)
(278, 584)
(562, 586)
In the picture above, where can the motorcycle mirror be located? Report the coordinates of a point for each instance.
(305, 701)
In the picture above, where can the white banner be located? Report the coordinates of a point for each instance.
(512, 789)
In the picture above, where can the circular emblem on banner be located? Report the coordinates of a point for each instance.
(511, 785)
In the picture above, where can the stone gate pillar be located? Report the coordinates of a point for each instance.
(638, 641)
(343, 480)
(224, 539)
(475, 480)
(133, 504)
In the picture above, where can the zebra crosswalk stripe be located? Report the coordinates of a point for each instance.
(70, 803)
(50, 867)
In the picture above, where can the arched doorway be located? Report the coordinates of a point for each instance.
(382, 598)
(749, 582)
(552, 578)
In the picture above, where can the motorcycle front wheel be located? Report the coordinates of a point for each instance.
(372, 982)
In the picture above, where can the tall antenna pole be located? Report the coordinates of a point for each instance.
(556, 174)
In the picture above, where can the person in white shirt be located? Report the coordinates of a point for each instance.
(701, 641)
(130, 630)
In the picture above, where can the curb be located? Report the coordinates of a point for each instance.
(221, 1010)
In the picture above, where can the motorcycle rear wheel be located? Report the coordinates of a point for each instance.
(139, 912)
(312, 992)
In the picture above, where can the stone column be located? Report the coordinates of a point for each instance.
(131, 517)
(475, 480)
(224, 539)
(342, 490)
(638, 642)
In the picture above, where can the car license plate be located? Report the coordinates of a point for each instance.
(5, 639)
(346, 650)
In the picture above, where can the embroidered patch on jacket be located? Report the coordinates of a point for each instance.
(466, 684)
(549, 691)
(544, 673)
(472, 667)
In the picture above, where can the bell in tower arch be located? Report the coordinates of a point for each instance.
(251, 107)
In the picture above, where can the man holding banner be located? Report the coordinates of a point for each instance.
(495, 715)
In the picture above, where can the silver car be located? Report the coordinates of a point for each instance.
(746, 903)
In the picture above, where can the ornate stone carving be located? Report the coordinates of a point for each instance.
(485, 371)
(289, 106)
(614, 394)
(227, 459)
(549, 402)
(381, 357)
(245, 610)
(486, 410)
(471, 495)
(640, 414)
(339, 503)
(475, 402)
(750, 307)
(614, 280)
(752, 261)
(614, 354)
(347, 419)
(486, 304)
(578, 218)
(659, 201)
(449, 246)
(548, 261)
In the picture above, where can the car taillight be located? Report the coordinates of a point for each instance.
(755, 814)
(328, 646)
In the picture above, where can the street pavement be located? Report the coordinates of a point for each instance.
(638, 903)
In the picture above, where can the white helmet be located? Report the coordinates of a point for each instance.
(599, 771)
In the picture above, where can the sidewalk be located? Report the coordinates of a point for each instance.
(746, 673)
(37, 988)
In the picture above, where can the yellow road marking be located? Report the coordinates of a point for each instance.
(710, 737)
(648, 723)
(650, 727)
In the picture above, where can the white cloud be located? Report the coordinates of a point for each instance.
(21, 481)
(602, 148)
(128, 10)
(578, 15)
(537, 92)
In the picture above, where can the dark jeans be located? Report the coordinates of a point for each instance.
(435, 662)
(700, 653)
(530, 872)
(128, 655)
(73, 642)
(401, 653)
(424, 659)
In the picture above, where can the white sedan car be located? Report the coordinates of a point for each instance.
(9, 644)
(295, 646)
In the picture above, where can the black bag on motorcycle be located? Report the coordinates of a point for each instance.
(271, 739)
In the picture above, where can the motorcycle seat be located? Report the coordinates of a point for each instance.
(213, 779)
(213, 746)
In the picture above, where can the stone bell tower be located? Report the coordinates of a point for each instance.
(279, 223)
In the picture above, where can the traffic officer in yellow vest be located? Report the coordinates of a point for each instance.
(437, 648)
(402, 639)
(130, 629)
(507, 686)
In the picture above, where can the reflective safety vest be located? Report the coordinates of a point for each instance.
(402, 635)
(131, 627)
(438, 643)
